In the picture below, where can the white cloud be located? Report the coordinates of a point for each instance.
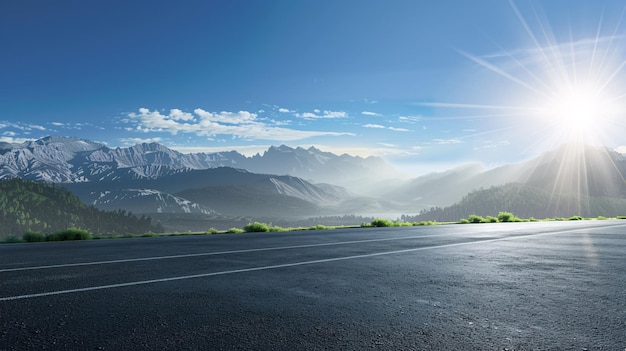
(226, 117)
(35, 126)
(369, 113)
(378, 126)
(621, 149)
(11, 140)
(398, 129)
(335, 114)
(133, 141)
(284, 110)
(447, 141)
(21, 126)
(409, 119)
(490, 144)
(179, 115)
(307, 115)
(9, 134)
(317, 114)
(242, 124)
(76, 126)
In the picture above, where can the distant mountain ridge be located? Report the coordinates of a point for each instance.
(151, 178)
(572, 180)
(71, 160)
(220, 190)
(285, 181)
(570, 169)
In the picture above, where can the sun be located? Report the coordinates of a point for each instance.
(558, 86)
(576, 113)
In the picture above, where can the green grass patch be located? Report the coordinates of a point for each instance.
(475, 219)
(490, 219)
(424, 223)
(12, 239)
(69, 234)
(507, 217)
(382, 222)
(33, 237)
(321, 227)
(256, 227)
(150, 235)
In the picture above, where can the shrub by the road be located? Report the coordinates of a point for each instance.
(32, 237)
(320, 227)
(490, 219)
(475, 219)
(382, 222)
(507, 217)
(256, 227)
(13, 239)
(69, 234)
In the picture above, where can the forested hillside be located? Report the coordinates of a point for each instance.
(525, 201)
(42, 207)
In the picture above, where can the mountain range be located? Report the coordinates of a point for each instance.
(72, 160)
(151, 178)
(290, 182)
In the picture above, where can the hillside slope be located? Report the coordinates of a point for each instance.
(41, 207)
(525, 201)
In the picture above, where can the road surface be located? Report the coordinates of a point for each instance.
(517, 286)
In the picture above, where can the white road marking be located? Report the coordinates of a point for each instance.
(154, 258)
(285, 265)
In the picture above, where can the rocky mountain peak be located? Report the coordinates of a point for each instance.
(71, 159)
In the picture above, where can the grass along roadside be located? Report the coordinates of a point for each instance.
(72, 234)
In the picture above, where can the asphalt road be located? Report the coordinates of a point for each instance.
(526, 286)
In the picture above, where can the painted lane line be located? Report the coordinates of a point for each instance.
(154, 258)
(285, 265)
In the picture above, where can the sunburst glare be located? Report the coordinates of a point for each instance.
(557, 92)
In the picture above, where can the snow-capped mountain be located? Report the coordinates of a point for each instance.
(49, 159)
(146, 201)
(151, 178)
(71, 160)
(222, 190)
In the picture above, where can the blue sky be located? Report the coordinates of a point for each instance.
(425, 84)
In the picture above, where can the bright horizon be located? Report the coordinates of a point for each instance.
(426, 86)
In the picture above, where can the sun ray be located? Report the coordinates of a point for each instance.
(570, 96)
(502, 73)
